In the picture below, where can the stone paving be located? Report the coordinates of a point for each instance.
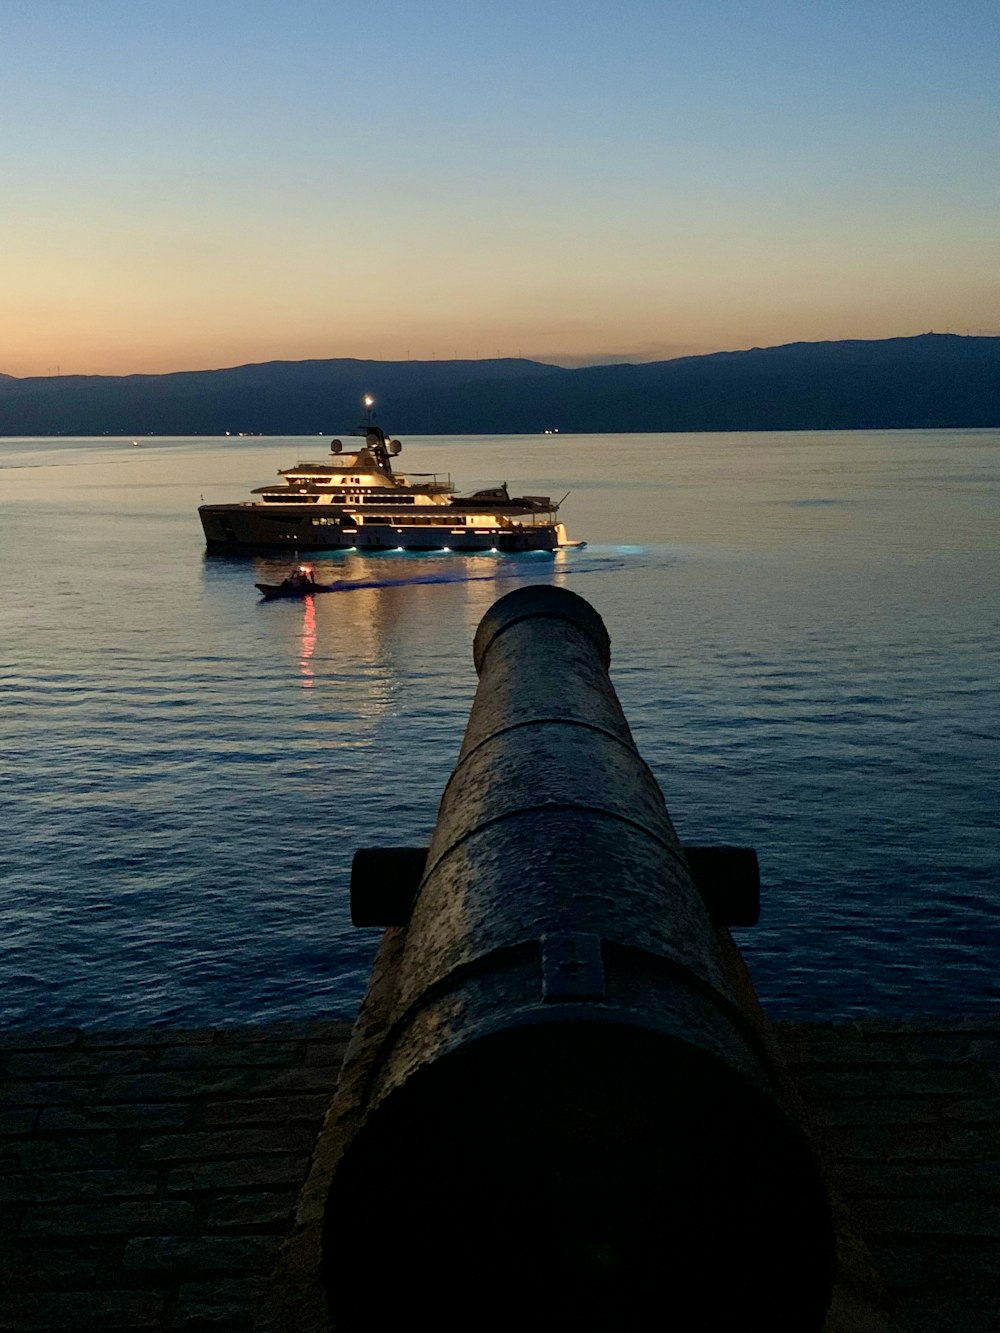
(148, 1178)
(907, 1117)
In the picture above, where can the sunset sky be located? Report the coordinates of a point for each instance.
(201, 183)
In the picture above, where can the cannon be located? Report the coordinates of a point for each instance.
(555, 1111)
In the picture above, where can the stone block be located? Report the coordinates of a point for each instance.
(306, 1108)
(966, 1267)
(845, 1045)
(238, 1174)
(264, 1210)
(214, 1084)
(243, 1056)
(978, 1219)
(226, 1303)
(944, 1140)
(201, 1254)
(153, 1217)
(144, 1038)
(58, 1186)
(45, 1039)
(977, 1110)
(65, 1312)
(35, 1266)
(17, 1120)
(878, 1111)
(214, 1146)
(326, 1053)
(59, 1154)
(116, 1115)
(917, 1080)
(75, 1063)
(57, 1092)
(918, 1180)
(304, 1078)
(932, 1314)
(176, 1086)
(337, 1029)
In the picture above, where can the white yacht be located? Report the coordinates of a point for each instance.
(354, 500)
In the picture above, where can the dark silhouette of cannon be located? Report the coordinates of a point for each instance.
(555, 1112)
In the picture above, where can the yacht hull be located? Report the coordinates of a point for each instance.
(235, 528)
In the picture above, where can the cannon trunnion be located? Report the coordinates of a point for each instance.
(554, 1112)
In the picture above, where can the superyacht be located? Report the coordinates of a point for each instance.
(353, 500)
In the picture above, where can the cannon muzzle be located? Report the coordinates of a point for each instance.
(554, 1112)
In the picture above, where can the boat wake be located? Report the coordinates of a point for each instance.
(524, 571)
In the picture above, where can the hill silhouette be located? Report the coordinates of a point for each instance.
(932, 380)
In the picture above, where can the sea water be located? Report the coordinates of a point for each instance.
(804, 635)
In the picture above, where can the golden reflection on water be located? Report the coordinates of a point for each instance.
(308, 642)
(370, 630)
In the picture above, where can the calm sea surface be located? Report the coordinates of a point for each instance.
(804, 635)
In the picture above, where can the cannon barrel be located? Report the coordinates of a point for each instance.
(385, 880)
(554, 1110)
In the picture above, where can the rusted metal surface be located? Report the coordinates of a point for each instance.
(556, 1109)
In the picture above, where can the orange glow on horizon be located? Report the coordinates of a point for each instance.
(83, 358)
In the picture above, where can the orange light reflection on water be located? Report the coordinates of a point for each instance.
(308, 642)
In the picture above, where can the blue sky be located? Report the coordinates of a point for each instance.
(202, 184)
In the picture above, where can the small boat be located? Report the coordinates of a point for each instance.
(300, 583)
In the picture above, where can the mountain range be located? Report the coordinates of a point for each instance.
(932, 380)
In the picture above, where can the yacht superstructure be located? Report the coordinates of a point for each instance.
(354, 499)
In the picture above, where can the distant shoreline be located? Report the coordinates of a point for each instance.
(496, 434)
(931, 381)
